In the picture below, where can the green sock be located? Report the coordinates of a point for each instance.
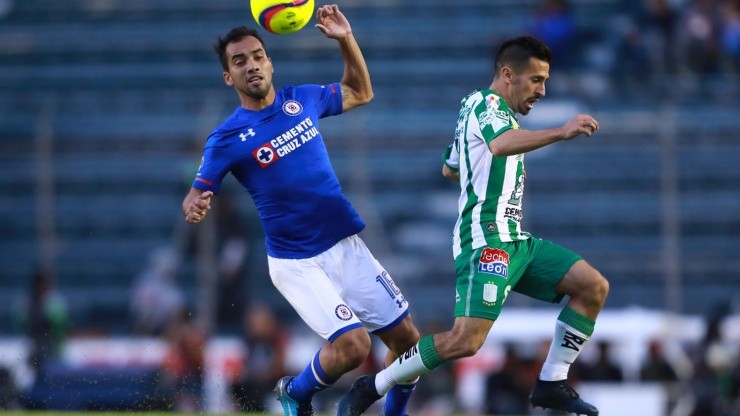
(428, 352)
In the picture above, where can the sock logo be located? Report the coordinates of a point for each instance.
(408, 354)
(572, 341)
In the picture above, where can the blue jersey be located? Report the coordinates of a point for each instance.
(279, 156)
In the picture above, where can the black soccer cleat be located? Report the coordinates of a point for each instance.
(360, 396)
(558, 395)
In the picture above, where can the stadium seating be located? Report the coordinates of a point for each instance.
(125, 93)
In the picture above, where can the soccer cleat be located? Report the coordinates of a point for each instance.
(290, 406)
(558, 395)
(360, 396)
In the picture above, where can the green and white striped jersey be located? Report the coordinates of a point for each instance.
(491, 188)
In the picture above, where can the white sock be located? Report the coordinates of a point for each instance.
(565, 347)
(406, 367)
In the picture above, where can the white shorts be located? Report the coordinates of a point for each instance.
(340, 289)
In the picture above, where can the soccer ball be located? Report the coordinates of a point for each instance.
(282, 17)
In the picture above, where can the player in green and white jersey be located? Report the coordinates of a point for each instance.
(493, 255)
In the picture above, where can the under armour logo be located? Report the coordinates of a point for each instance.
(249, 133)
(572, 341)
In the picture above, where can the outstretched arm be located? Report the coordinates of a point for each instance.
(355, 84)
(516, 141)
(196, 204)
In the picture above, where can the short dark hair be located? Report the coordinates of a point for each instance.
(515, 52)
(235, 35)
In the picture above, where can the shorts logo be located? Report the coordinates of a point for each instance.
(343, 312)
(494, 261)
(265, 155)
(292, 108)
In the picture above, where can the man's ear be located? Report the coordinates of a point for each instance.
(227, 79)
(507, 74)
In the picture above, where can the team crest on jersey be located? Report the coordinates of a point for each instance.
(494, 261)
(265, 155)
(292, 108)
(343, 312)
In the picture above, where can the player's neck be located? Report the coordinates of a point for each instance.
(256, 105)
(502, 89)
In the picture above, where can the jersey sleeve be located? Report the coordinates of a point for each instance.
(214, 165)
(327, 97)
(451, 157)
(493, 117)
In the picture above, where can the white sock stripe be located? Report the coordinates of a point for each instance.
(317, 377)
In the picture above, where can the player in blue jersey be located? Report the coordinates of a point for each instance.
(272, 145)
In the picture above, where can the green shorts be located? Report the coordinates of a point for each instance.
(485, 276)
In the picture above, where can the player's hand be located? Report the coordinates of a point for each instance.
(198, 207)
(580, 124)
(331, 22)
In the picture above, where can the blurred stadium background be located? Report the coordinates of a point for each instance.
(104, 107)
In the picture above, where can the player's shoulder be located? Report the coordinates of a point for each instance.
(493, 100)
(221, 134)
(307, 90)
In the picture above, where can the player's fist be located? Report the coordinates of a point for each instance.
(198, 207)
(580, 124)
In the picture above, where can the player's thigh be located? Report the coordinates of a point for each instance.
(582, 278)
(313, 295)
(485, 276)
(549, 264)
(368, 288)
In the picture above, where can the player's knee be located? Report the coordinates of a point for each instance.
(602, 289)
(406, 337)
(596, 289)
(353, 349)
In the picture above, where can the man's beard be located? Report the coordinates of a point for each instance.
(257, 94)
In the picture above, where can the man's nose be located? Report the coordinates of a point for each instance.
(541, 90)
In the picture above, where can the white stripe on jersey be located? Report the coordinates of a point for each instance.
(510, 179)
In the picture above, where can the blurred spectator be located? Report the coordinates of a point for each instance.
(730, 35)
(507, 390)
(184, 363)
(44, 318)
(554, 24)
(714, 361)
(232, 260)
(632, 71)
(657, 22)
(657, 367)
(8, 390)
(156, 299)
(603, 368)
(266, 341)
(699, 37)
